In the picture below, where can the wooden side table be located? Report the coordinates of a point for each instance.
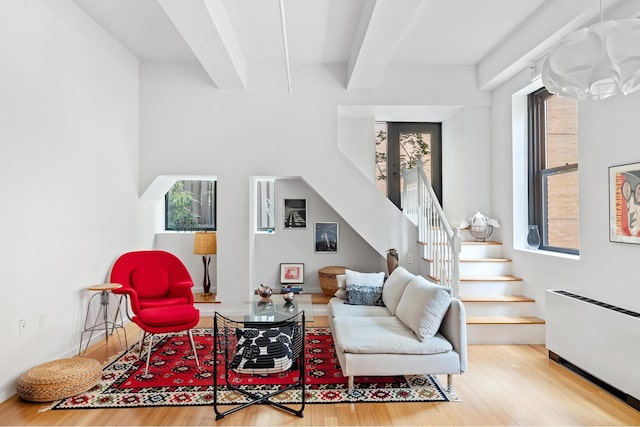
(102, 320)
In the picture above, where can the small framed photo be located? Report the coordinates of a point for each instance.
(295, 213)
(292, 273)
(326, 237)
(624, 203)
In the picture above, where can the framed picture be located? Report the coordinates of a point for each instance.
(624, 203)
(295, 213)
(326, 237)
(292, 273)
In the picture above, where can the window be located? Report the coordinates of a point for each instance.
(553, 171)
(191, 205)
(398, 145)
(265, 213)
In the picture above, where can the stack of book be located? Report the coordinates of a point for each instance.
(296, 288)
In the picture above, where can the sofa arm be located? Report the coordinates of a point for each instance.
(454, 328)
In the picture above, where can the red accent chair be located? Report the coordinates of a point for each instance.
(158, 287)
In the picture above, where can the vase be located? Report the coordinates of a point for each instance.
(533, 237)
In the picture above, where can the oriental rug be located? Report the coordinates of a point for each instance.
(175, 380)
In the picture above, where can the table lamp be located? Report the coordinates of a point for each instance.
(205, 244)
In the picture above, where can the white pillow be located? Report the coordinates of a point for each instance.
(342, 286)
(364, 288)
(423, 306)
(394, 288)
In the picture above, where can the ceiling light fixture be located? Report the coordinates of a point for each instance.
(595, 62)
(286, 46)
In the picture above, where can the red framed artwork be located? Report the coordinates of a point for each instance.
(624, 203)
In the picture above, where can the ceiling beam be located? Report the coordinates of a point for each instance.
(541, 31)
(381, 27)
(205, 27)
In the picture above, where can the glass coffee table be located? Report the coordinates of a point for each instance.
(275, 309)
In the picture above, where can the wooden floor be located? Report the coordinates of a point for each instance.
(504, 385)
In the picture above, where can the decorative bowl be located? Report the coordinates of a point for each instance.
(264, 291)
(288, 297)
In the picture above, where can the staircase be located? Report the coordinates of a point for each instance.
(497, 312)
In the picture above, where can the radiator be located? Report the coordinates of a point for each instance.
(600, 339)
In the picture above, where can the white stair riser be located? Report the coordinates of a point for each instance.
(490, 309)
(490, 268)
(491, 288)
(480, 251)
(506, 334)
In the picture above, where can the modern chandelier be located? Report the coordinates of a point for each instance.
(595, 62)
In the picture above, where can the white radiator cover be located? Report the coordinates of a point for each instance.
(598, 338)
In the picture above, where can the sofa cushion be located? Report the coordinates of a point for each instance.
(380, 335)
(364, 288)
(422, 306)
(338, 307)
(394, 288)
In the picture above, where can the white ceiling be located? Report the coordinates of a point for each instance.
(498, 37)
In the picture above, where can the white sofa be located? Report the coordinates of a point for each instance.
(420, 330)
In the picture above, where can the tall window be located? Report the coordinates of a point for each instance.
(399, 145)
(191, 205)
(553, 171)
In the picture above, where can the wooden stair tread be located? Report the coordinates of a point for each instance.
(499, 278)
(504, 320)
(496, 298)
(485, 260)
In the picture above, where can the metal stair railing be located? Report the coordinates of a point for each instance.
(442, 243)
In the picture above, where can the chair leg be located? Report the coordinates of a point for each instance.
(193, 347)
(149, 347)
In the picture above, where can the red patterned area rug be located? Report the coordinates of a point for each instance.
(174, 379)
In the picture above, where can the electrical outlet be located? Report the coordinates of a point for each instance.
(409, 259)
(42, 321)
(22, 325)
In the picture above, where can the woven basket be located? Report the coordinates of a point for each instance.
(328, 281)
(59, 379)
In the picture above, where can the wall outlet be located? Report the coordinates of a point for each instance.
(42, 320)
(409, 259)
(22, 325)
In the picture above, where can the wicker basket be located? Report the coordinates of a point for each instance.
(59, 379)
(328, 281)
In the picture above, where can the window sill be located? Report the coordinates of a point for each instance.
(551, 253)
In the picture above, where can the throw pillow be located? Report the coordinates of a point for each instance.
(423, 306)
(364, 288)
(394, 288)
(342, 286)
(263, 351)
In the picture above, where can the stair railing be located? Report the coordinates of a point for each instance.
(441, 242)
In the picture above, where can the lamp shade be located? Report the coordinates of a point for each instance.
(205, 243)
(596, 62)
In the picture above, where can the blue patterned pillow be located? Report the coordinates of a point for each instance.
(364, 288)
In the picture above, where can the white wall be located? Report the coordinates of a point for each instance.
(69, 165)
(188, 127)
(607, 136)
(297, 245)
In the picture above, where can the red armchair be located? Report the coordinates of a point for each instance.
(158, 287)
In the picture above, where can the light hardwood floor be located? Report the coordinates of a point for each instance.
(504, 385)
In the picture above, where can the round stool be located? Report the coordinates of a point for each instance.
(328, 281)
(58, 379)
(103, 322)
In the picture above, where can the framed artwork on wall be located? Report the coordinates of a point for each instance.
(624, 203)
(326, 237)
(295, 213)
(292, 273)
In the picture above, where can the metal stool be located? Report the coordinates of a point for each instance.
(103, 322)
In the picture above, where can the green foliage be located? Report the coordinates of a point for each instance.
(181, 216)
(412, 147)
(381, 157)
